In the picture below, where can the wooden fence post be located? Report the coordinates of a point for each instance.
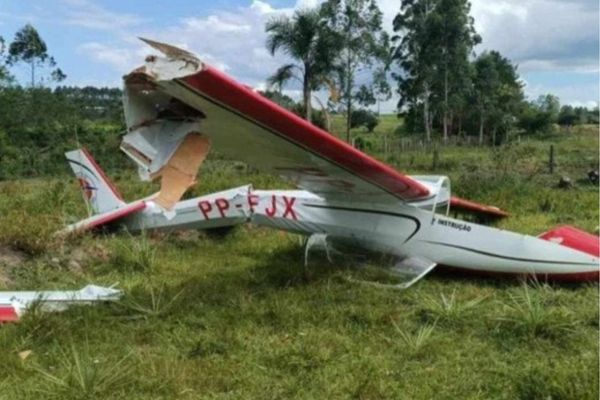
(551, 163)
(385, 147)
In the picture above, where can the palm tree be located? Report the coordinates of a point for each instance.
(305, 38)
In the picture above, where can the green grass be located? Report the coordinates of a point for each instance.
(241, 317)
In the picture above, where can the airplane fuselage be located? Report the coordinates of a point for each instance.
(399, 229)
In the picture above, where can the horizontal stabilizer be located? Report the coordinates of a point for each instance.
(99, 220)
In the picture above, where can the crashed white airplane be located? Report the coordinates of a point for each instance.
(177, 108)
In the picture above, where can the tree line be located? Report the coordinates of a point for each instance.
(38, 123)
(443, 86)
(339, 46)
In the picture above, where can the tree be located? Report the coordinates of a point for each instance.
(567, 116)
(485, 86)
(304, 38)
(4, 73)
(454, 29)
(592, 116)
(363, 47)
(497, 93)
(532, 120)
(550, 105)
(366, 118)
(30, 48)
(58, 75)
(434, 41)
(413, 53)
(318, 118)
(281, 99)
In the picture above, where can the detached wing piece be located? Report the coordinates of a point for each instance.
(174, 97)
(14, 304)
(8, 313)
(468, 206)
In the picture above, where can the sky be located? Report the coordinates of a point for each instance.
(554, 42)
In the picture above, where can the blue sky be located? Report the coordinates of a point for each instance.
(554, 42)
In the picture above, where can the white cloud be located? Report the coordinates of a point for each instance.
(261, 7)
(120, 59)
(577, 65)
(233, 41)
(539, 35)
(578, 94)
(216, 24)
(87, 14)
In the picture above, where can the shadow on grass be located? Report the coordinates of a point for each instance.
(499, 281)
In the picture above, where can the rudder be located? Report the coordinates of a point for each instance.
(98, 191)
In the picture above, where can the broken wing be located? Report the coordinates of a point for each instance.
(178, 90)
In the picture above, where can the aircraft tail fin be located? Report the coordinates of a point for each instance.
(99, 192)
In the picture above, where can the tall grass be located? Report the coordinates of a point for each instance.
(135, 253)
(415, 342)
(157, 304)
(81, 375)
(448, 309)
(529, 313)
(252, 323)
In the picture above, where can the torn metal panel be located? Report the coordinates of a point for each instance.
(140, 102)
(179, 173)
(179, 62)
(171, 51)
(151, 146)
(163, 137)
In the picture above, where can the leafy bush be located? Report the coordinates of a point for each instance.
(365, 118)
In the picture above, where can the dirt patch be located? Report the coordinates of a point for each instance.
(9, 259)
(81, 257)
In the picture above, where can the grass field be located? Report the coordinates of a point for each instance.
(240, 317)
